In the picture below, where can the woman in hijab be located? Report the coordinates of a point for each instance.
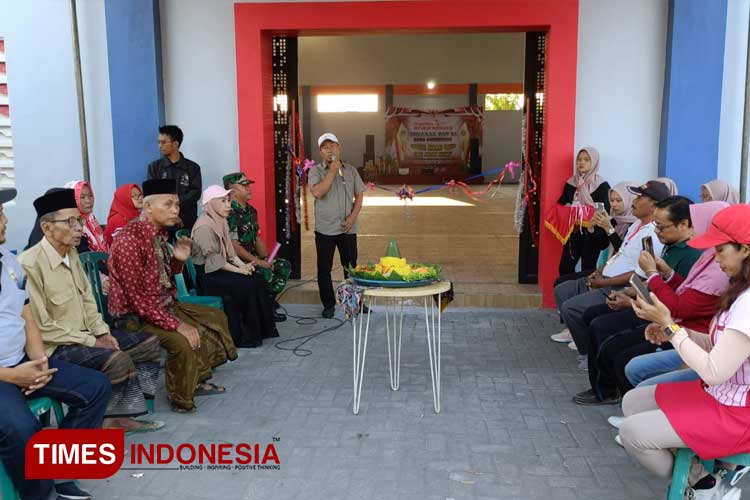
(126, 206)
(585, 187)
(221, 272)
(617, 222)
(93, 234)
(671, 185)
(36, 231)
(718, 190)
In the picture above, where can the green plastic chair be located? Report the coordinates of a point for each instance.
(191, 296)
(92, 262)
(682, 467)
(40, 407)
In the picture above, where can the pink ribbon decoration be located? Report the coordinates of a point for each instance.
(371, 186)
(307, 165)
(405, 193)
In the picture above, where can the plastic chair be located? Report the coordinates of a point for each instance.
(92, 262)
(682, 467)
(39, 407)
(191, 297)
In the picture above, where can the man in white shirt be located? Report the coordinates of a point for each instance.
(575, 296)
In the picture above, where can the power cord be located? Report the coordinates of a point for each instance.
(304, 320)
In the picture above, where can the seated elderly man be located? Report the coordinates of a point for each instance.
(27, 373)
(73, 330)
(143, 295)
(575, 296)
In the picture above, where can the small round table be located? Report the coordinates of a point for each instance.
(393, 299)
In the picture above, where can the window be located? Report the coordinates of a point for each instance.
(347, 103)
(503, 102)
(7, 173)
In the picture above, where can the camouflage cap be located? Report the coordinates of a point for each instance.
(236, 178)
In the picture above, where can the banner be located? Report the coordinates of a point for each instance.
(430, 142)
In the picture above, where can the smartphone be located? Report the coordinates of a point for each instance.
(641, 288)
(648, 245)
(598, 206)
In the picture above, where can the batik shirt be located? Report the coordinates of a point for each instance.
(140, 275)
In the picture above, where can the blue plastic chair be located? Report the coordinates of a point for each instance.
(40, 407)
(682, 467)
(92, 263)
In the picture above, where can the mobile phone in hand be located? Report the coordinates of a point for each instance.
(648, 245)
(641, 289)
(598, 206)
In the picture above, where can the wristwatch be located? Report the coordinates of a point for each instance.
(670, 330)
(610, 231)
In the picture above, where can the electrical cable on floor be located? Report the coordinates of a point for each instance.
(304, 320)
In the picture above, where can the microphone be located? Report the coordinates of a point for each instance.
(333, 158)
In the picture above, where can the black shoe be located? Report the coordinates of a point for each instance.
(328, 312)
(71, 491)
(589, 398)
(365, 309)
(279, 317)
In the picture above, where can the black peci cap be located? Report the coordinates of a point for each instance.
(54, 201)
(159, 186)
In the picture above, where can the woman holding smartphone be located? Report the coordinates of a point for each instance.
(662, 417)
(585, 187)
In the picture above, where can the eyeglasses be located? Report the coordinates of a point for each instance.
(72, 221)
(661, 228)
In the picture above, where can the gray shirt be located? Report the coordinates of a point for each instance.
(332, 209)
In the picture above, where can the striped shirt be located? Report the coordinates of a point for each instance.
(734, 391)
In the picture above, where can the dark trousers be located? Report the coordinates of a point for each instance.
(85, 391)
(580, 245)
(325, 246)
(611, 333)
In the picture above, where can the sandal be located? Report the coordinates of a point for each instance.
(147, 426)
(181, 409)
(209, 389)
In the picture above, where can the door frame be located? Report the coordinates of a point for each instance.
(256, 23)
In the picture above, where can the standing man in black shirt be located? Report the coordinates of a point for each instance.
(187, 173)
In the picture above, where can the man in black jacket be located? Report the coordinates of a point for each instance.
(187, 173)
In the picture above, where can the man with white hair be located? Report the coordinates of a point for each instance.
(339, 191)
(143, 297)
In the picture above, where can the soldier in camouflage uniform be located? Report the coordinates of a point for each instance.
(245, 231)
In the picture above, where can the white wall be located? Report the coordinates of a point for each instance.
(621, 54)
(414, 59)
(200, 82)
(733, 92)
(44, 113)
(409, 59)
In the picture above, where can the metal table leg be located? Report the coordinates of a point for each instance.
(394, 323)
(359, 352)
(433, 345)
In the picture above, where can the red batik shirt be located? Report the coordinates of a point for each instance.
(140, 275)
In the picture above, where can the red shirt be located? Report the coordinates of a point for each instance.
(695, 309)
(141, 282)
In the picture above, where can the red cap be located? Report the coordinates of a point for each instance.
(731, 225)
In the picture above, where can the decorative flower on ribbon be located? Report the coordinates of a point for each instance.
(406, 192)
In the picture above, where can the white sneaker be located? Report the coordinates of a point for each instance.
(618, 440)
(733, 494)
(572, 346)
(563, 337)
(715, 493)
(615, 421)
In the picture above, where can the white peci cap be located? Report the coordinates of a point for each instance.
(327, 137)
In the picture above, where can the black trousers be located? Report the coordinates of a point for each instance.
(325, 246)
(580, 245)
(247, 304)
(612, 334)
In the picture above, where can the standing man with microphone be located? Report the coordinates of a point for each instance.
(338, 190)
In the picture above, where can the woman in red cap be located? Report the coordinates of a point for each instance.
(711, 416)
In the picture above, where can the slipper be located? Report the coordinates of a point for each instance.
(209, 389)
(149, 426)
(180, 409)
